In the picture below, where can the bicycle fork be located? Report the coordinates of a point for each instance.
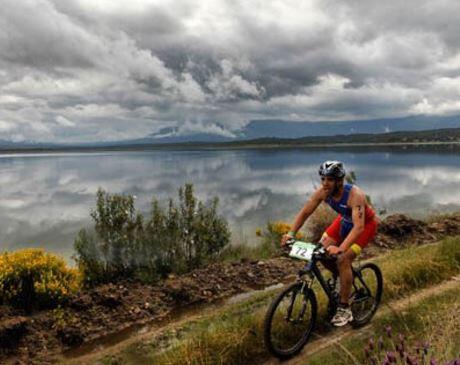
(304, 290)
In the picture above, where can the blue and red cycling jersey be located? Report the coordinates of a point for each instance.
(343, 224)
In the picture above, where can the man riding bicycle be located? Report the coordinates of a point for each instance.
(349, 233)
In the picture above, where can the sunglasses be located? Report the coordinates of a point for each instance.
(326, 178)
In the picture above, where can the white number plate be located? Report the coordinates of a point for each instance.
(302, 250)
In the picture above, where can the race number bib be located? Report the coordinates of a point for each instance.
(302, 250)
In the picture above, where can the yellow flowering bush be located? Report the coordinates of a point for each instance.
(271, 237)
(32, 278)
(278, 228)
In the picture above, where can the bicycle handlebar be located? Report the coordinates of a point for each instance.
(320, 251)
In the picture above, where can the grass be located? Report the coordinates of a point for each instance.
(414, 268)
(235, 337)
(433, 321)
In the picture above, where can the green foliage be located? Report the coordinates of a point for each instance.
(185, 235)
(418, 266)
(351, 177)
(32, 279)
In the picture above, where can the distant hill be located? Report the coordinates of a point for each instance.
(284, 129)
(284, 132)
(448, 135)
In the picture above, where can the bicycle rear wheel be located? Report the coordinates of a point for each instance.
(366, 294)
(290, 320)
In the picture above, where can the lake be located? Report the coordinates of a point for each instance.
(46, 198)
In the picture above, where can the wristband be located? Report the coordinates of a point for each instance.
(292, 233)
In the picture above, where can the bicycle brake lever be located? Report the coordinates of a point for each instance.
(290, 241)
(321, 250)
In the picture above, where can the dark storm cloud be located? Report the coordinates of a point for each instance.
(69, 70)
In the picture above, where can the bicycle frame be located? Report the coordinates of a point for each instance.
(312, 270)
(290, 306)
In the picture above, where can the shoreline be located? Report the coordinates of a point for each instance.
(222, 147)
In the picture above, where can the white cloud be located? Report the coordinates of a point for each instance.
(230, 86)
(195, 127)
(5, 126)
(132, 68)
(64, 122)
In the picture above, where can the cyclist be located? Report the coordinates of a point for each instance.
(352, 230)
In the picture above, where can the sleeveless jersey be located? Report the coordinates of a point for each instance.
(345, 211)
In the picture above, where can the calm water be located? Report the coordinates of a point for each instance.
(46, 198)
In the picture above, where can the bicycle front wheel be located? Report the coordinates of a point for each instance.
(290, 320)
(367, 293)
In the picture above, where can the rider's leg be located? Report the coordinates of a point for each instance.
(346, 275)
(327, 241)
(344, 260)
(332, 237)
(344, 314)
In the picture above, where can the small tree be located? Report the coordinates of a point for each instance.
(182, 237)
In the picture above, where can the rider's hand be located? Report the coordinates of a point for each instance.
(334, 250)
(285, 238)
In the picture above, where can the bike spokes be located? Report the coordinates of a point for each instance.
(366, 295)
(291, 321)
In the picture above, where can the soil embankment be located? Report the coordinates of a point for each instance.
(108, 309)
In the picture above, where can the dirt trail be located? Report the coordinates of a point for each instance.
(150, 333)
(336, 335)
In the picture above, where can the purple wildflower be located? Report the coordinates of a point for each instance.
(433, 362)
(388, 330)
(371, 343)
(391, 357)
(426, 347)
(399, 348)
(380, 343)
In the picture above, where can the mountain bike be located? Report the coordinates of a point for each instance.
(291, 317)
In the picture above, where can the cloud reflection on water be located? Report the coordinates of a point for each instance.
(46, 199)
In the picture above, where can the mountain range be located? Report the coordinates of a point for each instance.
(260, 129)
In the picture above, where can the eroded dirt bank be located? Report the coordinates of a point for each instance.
(108, 309)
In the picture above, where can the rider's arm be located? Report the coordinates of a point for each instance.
(358, 206)
(308, 209)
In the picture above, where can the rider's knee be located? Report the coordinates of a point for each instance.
(326, 240)
(343, 260)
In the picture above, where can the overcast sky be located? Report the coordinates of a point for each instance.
(85, 70)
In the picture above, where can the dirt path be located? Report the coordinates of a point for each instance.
(336, 335)
(151, 333)
(90, 354)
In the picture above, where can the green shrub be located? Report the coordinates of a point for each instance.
(177, 239)
(31, 278)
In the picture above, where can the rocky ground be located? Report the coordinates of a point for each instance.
(108, 309)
